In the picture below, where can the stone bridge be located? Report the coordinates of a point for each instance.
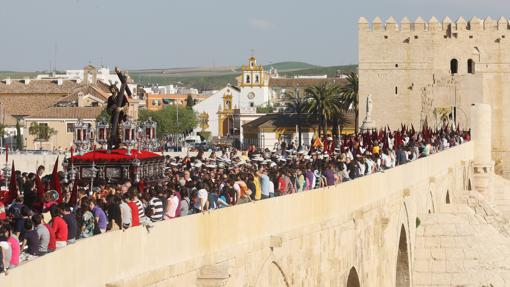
(419, 224)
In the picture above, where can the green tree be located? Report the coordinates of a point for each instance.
(298, 104)
(172, 119)
(190, 102)
(103, 116)
(324, 104)
(41, 132)
(349, 96)
(266, 109)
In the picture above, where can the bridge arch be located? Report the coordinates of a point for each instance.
(271, 274)
(278, 277)
(353, 279)
(402, 269)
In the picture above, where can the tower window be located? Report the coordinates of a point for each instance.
(396, 90)
(454, 66)
(256, 79)
(471, 66)
(248, 80)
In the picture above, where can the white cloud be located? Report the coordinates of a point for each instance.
(260, 24)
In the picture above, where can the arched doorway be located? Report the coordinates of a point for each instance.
(228, 126)
(402, 279)
(353, 279)
(447, 197)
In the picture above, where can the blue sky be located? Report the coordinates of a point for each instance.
(169, 33)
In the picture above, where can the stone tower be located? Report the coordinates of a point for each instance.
(435, 70)
(254, 85)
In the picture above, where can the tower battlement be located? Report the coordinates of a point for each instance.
(420, 25)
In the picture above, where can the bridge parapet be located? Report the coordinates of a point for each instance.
(320, 237)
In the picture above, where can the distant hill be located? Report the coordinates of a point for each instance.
(285, 66)
(331, 71)
(218, 77)
(209, 78)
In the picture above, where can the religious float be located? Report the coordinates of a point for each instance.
(118, 150)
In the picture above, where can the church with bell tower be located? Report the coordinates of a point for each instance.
(224, 113)
(254, 86)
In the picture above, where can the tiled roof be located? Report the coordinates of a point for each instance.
(34, 99)
(94, 90)
(13, 105)
(37, 87)
(281, 120)
(296, 82)
(68, 113)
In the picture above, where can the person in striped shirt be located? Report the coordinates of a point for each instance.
(155, 208)
(141, 209)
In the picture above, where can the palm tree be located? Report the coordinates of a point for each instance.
(296, 103)
(349, 96)
(324, 103)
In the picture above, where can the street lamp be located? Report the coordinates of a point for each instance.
(102, 133)
(149, 127)
(83, 136)
(7, 174)
(129, 135)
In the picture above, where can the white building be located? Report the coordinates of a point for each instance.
(226, 111)
(212, 110)
(89, 74)
(170, 90)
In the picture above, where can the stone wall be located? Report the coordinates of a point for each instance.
(404, 65)
(30, 162)
(325, 237)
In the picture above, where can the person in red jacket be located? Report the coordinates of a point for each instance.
(59, 227)
(135, 221)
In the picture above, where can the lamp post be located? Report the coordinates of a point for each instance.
(149, 127)
(129, 135)
(83, 136)
(102, 133)
(65, 165)
(93, 170)
(136, 164)
(7, 174)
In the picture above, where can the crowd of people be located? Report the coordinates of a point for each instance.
(35, 222)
